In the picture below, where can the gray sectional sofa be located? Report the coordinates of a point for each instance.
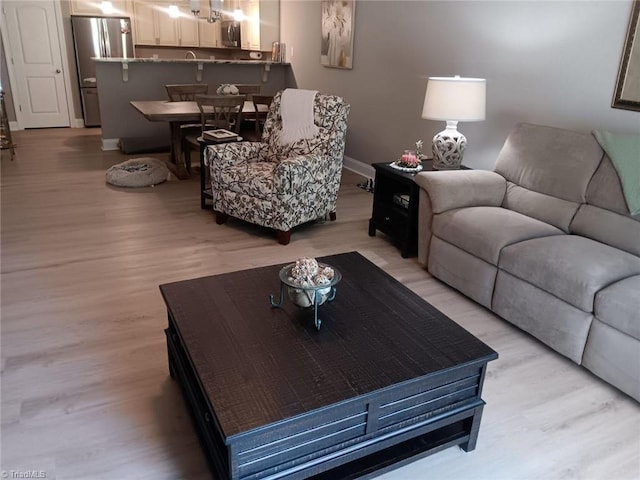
(545, 241)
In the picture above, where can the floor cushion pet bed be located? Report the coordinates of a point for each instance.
(137, 172)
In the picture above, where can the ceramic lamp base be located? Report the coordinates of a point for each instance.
(448, 148)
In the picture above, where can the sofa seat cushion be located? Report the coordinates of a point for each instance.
(571, 267)
(484, 231)
(618, 306)
(250, 178)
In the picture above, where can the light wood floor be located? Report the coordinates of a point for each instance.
(85, 388)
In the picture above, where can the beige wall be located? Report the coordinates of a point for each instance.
(551, 62)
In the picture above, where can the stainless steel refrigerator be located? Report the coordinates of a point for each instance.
(97, 37)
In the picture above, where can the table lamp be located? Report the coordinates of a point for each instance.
(453, 99)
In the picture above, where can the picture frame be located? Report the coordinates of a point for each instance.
(337, 33)
(627, 92)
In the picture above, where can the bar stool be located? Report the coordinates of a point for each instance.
(5, 132)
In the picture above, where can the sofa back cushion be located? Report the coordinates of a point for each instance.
(605, 226)
(548, 209)
(605, 216)
(548, 170)
(605, 189)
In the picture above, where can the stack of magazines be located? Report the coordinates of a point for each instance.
(221, 135)
(402, 200)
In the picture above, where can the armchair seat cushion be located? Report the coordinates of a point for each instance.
(485, 231)
(571, 267)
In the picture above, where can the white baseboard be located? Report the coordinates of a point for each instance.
(358, 167)
(110, 144)
(75, 123)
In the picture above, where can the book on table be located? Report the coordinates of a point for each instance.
(402, 200)
(220, 134)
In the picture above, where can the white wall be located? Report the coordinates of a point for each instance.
(546, 62)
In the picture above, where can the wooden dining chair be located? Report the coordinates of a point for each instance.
(261, 104)
(216, 111)
(186, 92)
(248, 88)
(248, 112)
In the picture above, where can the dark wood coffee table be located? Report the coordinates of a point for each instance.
(387, 379)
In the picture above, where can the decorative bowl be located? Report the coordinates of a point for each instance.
(305, 294)
(399, 166)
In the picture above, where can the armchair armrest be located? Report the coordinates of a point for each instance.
(462, 188)
(232, 153)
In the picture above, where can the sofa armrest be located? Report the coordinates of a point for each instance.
(231, 153)
(462, 188)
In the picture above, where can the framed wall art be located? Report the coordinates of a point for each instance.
(338, 21)
(627, 94)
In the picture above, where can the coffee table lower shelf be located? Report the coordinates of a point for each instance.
(344, 441)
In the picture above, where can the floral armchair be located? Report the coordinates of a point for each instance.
(281, 186)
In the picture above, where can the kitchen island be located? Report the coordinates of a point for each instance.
(122, 80)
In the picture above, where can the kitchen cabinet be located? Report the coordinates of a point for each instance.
(145, 25)
(166, 26)
(250, 26)
(188, 34)
(269, 23)
(260, 26)
(154, 25)
(208, 33)
(121, 8)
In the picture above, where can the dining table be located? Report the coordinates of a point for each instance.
(176, 114)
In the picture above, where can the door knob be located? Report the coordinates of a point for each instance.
(58, 70)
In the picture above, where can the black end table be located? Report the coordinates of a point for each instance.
(395, 206)
(205, 179)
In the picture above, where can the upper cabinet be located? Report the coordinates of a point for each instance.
(250, 26)
(154, 24)
(261, 24)
(209, 33)
(259, 27)
(269, 23)
(114, 8)
(188, 34)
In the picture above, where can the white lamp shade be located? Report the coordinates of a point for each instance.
(455, 98)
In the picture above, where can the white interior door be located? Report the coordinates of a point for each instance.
(39, 93)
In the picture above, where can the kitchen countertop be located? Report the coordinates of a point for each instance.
(188, 60)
